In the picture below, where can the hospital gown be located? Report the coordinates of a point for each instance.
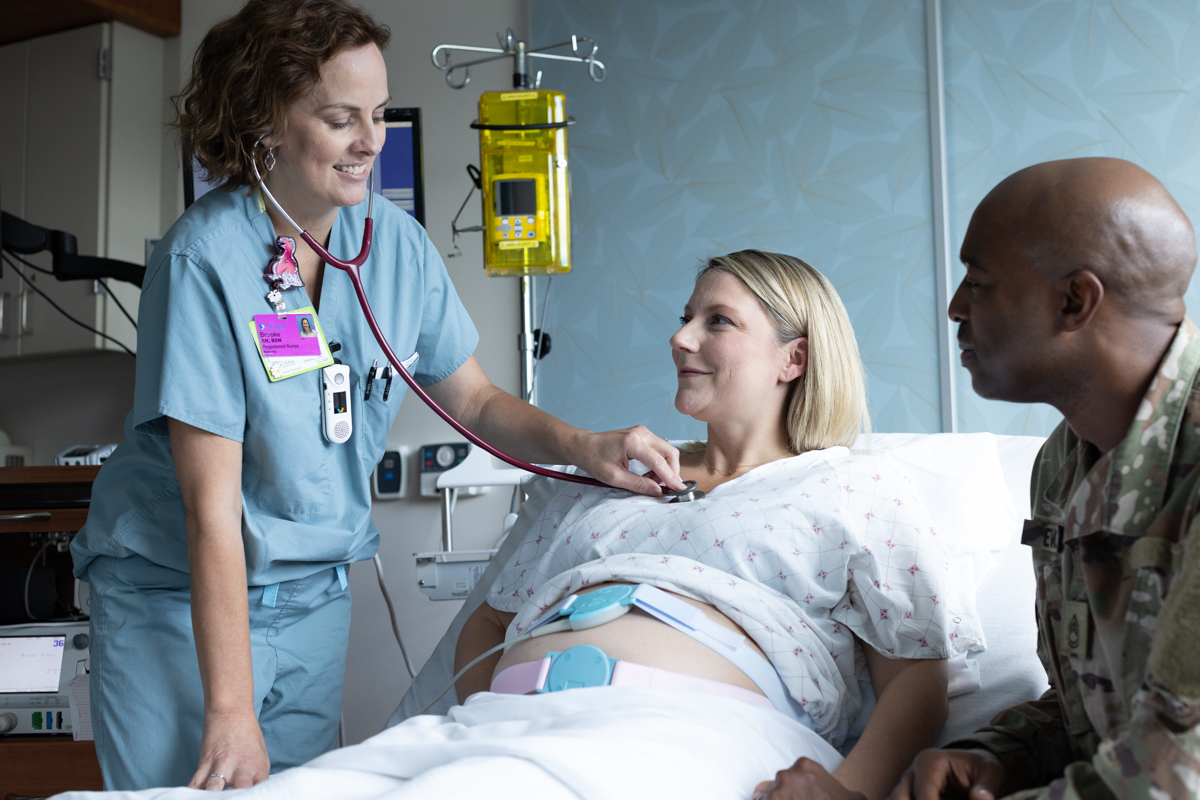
(801, 553)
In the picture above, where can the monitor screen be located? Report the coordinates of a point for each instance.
(399, 171)
(516, 197)
(399, 175)
(31, 663)
(194, 184)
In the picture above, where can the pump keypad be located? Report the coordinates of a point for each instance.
(516, 228)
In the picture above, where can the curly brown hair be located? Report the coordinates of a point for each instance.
(250, 68)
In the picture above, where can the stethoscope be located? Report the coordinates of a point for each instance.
(351, 268)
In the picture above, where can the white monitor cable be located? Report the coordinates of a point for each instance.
(553, 627)
(387, 598)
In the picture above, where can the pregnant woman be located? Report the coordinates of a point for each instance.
(824, 560)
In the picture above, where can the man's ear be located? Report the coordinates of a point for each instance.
(797, 364)
(1083, 292)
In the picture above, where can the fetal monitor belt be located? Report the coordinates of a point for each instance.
(586, 666)
(604, 605)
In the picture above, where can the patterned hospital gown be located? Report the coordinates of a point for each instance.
(802, 553)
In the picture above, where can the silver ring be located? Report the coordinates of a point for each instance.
(216, 775)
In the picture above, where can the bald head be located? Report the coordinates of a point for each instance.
(1104, 215)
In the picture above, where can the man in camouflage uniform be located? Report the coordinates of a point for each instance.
(1074, 296)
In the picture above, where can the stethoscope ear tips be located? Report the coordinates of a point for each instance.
(685, 495)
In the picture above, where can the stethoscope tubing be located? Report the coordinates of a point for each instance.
(353, 271)
(351, 268)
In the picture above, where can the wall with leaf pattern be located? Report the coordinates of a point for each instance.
(1036, 81)
(802, 127)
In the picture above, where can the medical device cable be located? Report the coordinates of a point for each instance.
(30, 264)
(28, 576)
(553, 627)
(454, 229)
(60, 310)
(387, 598)
(113, 297)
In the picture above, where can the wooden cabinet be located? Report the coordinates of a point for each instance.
(39, 766)
(80, 151)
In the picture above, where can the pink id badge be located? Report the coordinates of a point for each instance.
(290, 344)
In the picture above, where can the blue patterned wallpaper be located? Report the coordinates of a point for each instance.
(797, 127)
(802, 127)
(1035, 81)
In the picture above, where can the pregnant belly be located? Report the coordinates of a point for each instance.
(639, 638)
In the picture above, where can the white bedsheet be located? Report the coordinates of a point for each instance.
(610, 742)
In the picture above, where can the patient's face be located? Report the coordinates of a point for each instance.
(728, 359)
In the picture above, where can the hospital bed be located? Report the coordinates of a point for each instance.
(976, 488)
(975, 485)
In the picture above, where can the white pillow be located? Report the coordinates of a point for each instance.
(960, 479)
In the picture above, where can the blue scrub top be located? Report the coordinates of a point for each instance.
(305, 502)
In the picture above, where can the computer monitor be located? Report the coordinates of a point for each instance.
(399, 168)
(194, 184)
(400, 175)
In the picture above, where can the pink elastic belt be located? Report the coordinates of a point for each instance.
(531, 677)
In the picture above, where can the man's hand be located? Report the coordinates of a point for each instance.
(977, 774)
(804, 780)
(232, 747)
(606, 456)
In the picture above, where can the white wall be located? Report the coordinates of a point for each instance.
(375, 675)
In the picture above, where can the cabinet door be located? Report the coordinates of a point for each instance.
(13, 80)
(67, 131)
(135, 165)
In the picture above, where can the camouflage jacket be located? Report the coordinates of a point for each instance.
(1118, 607)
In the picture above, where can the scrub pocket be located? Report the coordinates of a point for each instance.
(374, 417)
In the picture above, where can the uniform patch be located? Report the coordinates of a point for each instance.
(1077, 629)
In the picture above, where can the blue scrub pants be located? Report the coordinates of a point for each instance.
(147, 700)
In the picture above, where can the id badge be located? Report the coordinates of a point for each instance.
(290, 344)
(1076, 629)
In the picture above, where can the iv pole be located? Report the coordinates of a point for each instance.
(511, 47)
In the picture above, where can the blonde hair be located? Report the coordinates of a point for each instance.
(828, 404)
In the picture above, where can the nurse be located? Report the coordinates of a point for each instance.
(221, 528)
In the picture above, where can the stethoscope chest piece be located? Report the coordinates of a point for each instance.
(686, 495)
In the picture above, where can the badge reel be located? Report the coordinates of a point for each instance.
(335, 403)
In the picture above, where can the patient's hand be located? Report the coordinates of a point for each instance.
(804, 780)
(975, 773)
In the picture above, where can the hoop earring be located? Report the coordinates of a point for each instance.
(269, 161)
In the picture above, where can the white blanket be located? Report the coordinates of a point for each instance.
(609, 742)
(802, 553)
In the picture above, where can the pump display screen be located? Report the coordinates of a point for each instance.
(516, 198)
(31, 663)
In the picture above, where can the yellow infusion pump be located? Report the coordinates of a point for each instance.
(526, 205)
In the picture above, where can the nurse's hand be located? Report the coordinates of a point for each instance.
(606, 456)
(232, 748)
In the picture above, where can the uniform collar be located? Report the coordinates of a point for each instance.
(1122, 492)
